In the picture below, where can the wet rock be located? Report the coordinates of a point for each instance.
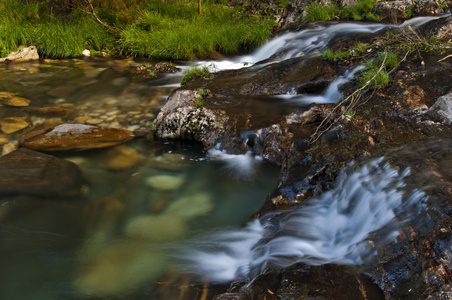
(10, 147)
(62, 91)
(156, 228)
(183, 117)
(22, 55)
(118, 268)
(124, 157)
(10, 99)
(28, 172)
(170, 162)
(3, 139)
(13, 124)
(52, 111)
(191, 206)
(75, 137)
(441, 111)
(164, 67)
(165, 182)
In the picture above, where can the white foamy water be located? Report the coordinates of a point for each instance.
(239, 165)
(330, 95)
(332, 228)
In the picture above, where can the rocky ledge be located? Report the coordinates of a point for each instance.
(312, 143)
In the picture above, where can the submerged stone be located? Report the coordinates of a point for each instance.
(165, 182)
(26, 172)
(10, 99)
(118, 269)
(13, 124)
(156, 228)
(191, 206)
(75, 137)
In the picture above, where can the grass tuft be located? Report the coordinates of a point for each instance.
(193, 73)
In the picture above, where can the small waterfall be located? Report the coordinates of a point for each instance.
(333, 228)
(330, 95)
(242, 166)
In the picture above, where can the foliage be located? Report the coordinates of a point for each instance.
(357, 50)
(192, 73)
(317, 11)
(169, 30)
(362, 8)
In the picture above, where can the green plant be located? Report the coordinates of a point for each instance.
(152, 127)
(152, 73)
(192, 73)
(317, 11)
(198, 103)
(367, 112)
(359, 9)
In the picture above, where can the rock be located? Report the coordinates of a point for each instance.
(163, 67)
(441, 111)
(62, 91)
(28, 172)
(10, 99)
(3, 139)
(13, 124)
(118, 269)
(86, 52)
(75, 137)
(52, 111)
(190, 207)
(160, 228)
(9, 147)
(165, 182)
(24, 54)
(182, 118)
(124, 158)
(170, 162)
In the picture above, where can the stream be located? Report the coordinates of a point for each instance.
(171, 207)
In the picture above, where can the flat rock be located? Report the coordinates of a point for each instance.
(441, 111)
(3, 139)
(10, 99)
(165, 182)
(75, 137)
(13, 124)
(26, 172)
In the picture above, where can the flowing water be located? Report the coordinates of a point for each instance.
(155, 217)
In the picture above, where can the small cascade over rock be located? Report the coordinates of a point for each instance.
(333, 228)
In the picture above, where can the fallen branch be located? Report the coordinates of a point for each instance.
(92, 12)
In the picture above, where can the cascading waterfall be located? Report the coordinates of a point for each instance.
(333, 228)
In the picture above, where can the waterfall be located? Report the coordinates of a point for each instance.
(333, 228)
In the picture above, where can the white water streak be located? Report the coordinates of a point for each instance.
(332, 228)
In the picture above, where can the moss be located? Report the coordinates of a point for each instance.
(192, 73)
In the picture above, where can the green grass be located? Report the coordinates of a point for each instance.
(192, 73)
(357, 50)
(321, 12)
(170, 30)
(359, 10)
(179, 33)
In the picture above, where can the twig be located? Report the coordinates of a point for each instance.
(93, 13)
(444, 58)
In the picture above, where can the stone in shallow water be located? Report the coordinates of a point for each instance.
(3, 139)
(13, 124)
(52, 111)
(10, 99)
(165, 182)
(118, 269)
(26, 172)
(124, 157)
(192, 206)
(156, 228)
(75, 137)
(171, 162)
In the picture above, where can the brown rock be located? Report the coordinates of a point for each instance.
(28, 172)
(75, 137)
(3, 139)
(10, 99)
(52, 111)
(23, 54)
(13, 124)
(124, 157)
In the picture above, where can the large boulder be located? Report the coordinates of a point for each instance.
(184, 117)
(26, 172)
(23, 54)
(75, 137)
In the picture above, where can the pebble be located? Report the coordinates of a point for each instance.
(13, 124)
(165, 182)
(3, 139)
(10, 147)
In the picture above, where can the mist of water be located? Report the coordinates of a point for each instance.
(333, 228)
(242, 166)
